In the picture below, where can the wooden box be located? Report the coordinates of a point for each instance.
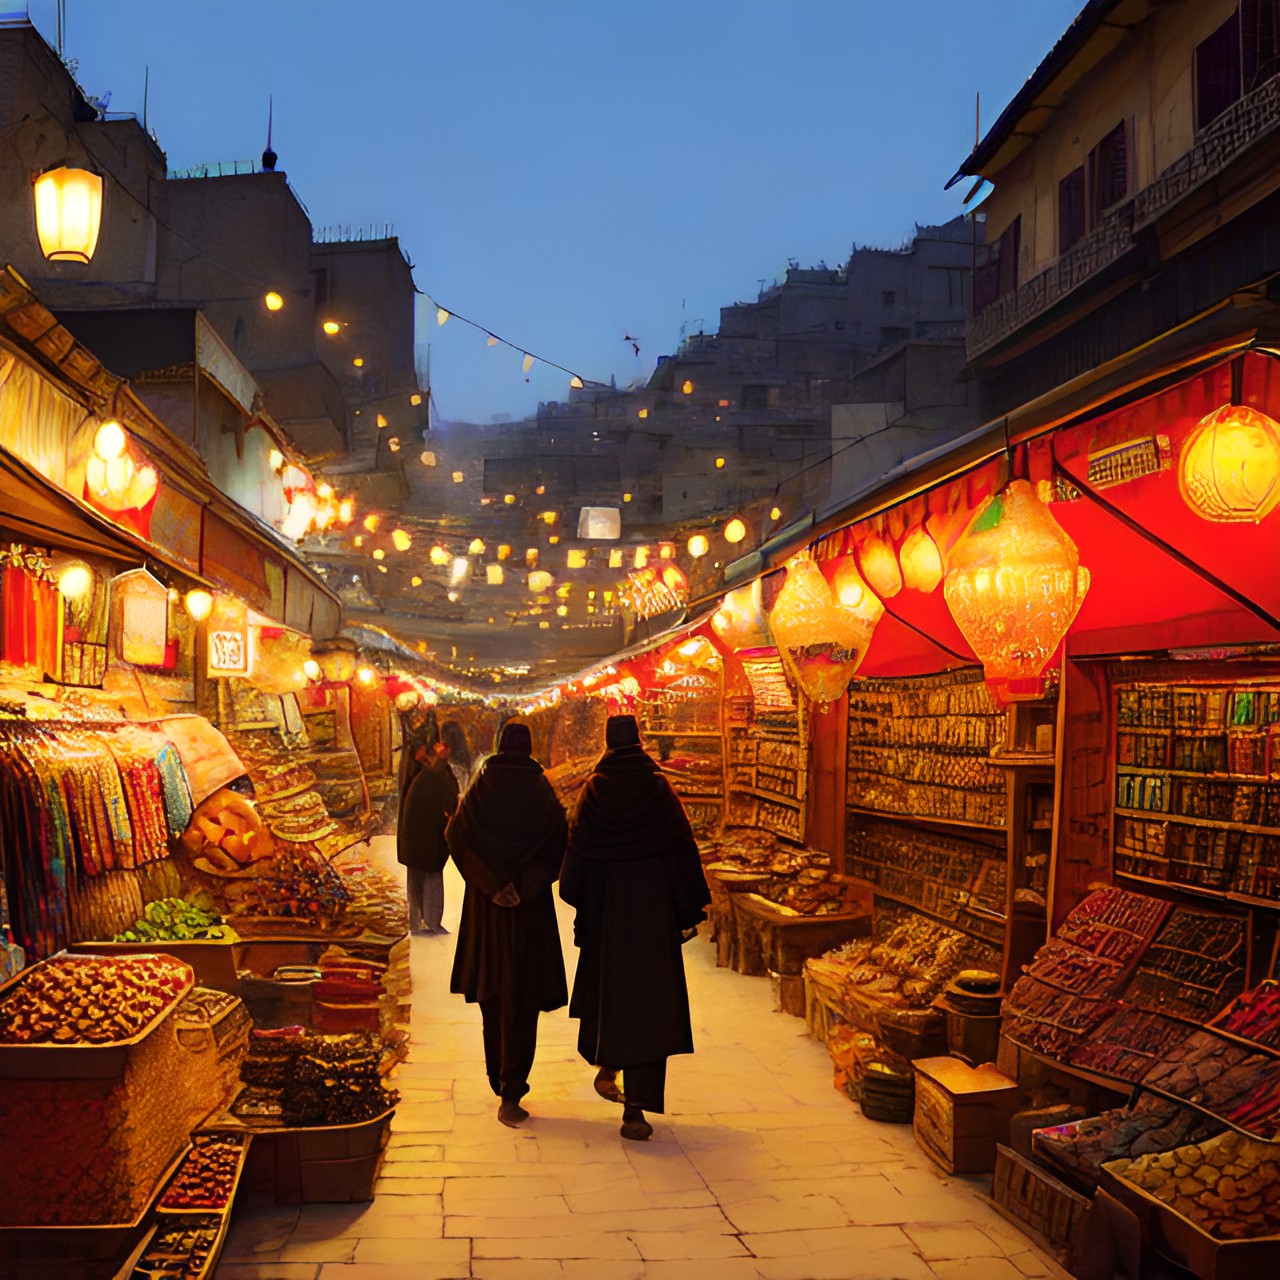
(774, 939)
(1189, 1245)
(330, 1164)
(961, 1112)
(1028, 1195)
(213, 960)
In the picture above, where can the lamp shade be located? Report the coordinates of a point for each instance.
(68, 213)
(880, 567)
(921, 561)
(821, 640)
(1014, 585)
(1230, 465)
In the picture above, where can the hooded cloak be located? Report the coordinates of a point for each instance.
(633, 872)
(509, 829)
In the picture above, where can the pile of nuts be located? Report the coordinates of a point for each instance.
(1229, 1185)
(90, 999)
(207, 1176)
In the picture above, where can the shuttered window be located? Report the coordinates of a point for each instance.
(1071, 208)
(1217, 72)
(1108, 168)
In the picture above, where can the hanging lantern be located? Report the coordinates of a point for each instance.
(739, 621)
(494, 574)
(338, 665)
(439, 557)
(199, 604)
(735, 530)
(880, 567)
(1014, 585)
(68, 213)
(1230, 465)
(311, 669)
(476, 547)
(75, 581)
(401, 540)
(821, 639)
(921, 561)
(539, 581)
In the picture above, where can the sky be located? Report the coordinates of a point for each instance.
(567, 172)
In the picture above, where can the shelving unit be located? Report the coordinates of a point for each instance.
(688, 722)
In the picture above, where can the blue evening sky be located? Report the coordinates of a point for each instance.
(569, 171)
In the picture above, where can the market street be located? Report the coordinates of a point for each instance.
(760, 1168)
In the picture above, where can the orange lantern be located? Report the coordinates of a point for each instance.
(1230, 465)
(68, 205)
(1014, 585)
(822, 639)
(739, 621)
(880, 567)
(921, 561)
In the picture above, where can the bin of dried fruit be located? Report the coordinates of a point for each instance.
(175, 920)
(184, 1247)
(1229, 1186)
(207, 1177)
(76, 1000)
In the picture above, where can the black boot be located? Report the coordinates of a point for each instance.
(634, 1125)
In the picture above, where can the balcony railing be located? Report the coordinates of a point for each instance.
(1242, 125)
(1111, 239)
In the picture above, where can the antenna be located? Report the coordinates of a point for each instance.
(62, 23)
(146, 85)
(977, 119)
(269, 157)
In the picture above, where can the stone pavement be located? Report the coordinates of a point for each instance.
(760, 1169)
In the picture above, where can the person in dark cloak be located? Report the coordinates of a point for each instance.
(508, 840)
(425, 807)
(454, 737)
(418, 729)
(632, 871)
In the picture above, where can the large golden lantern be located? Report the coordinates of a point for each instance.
(1230, 465)
(1014, 585)
(880, 567)
(68, 213)
(921, 561)
(822, 634)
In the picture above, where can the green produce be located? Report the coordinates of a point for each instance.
(175, 920)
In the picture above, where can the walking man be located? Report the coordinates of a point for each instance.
(632, 871)
(508, 840)
(425, 807)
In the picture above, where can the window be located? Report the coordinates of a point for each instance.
(1108, 170)
(1071, 209)
(887, 296)
(1239, 56)
(999, 274)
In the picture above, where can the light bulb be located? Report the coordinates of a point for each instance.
(109, 440)
(75, 581)
(273, 300)
(199, 604)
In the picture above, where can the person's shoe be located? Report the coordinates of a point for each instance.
(512, 1114)
(634, 1125)
(607, 1085)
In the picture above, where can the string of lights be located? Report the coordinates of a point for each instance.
(445, 314)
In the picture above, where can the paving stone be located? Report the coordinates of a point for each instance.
(952, 1240)
(674, 1245)
(976, 1269)
(802, 1240)
(439, 1253)
(580, 1245)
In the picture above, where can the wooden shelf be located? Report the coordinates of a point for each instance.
(1186, 820)
(1250, 779)
(924, 818)
(1178, 732)
(1023, 759)
(1201, 891)
(761, 794)
(958, 923)
(679, 733)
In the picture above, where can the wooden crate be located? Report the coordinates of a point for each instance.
(1028, 1195)
(774, 939)
(961, 1112)
(332, 1164)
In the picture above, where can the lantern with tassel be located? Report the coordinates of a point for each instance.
(1014, 585)
(822, 634)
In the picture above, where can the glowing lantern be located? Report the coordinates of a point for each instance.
(199, 604)
(275, 459)
(68, 214)
(358, 540)
(687, 387)
(428, 458)
(531, 557)
(366, 675)
(820, 639)
(576, 383)
(415, 399)
(439, 556)
(457, 477)
(641, 557)
(644, 413)
(476, 548)
(1014, 585)
(674, 579)
(562, 610)
(540, 580)
(379, 554)
(880, 567)
(401, 540)
(372, 523)
(272, 300)
(346, 510)
(460, 571)
(504, 551)
(735, 530)
(1230, 465)
(698, 545)
(576, 559)
(358, 362)
(739, 621)
(331, 327)
(493, 574)
(548, 517)
(311, 669)
(775, 513)
(75, 581)
(415, 581)
(394, 444)
(626, 497)
(509, 499)
(921, 561)
(719, 463)
(615, 557)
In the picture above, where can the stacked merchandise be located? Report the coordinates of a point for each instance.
(885, 985)
(298, 1078)
(1149, 1125)
(82, 799)
(377, 899)
(1092, 998)
(799, 879)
